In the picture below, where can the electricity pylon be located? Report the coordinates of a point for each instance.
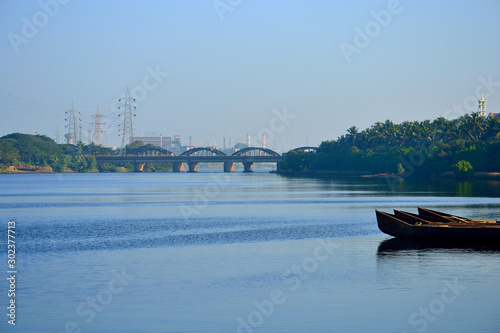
(98, 134)
(127, 130)
(74, 126)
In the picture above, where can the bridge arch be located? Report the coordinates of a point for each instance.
(194, 151)
(145, 150)
(244, 151)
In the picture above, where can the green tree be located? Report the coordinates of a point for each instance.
(352, 133)
(293, 160)
(91, 164)
(9, 154)
(463, 169)
(134, 145)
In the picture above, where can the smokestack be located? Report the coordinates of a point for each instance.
(248, 140)
(264, 140)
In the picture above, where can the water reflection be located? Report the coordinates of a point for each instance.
(395, 246)
(465, 188)
(404, 265)
(405, 186)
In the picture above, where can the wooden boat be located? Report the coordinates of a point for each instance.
(432, 214)
(433, 225)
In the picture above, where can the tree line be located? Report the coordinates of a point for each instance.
(464, 145)
(24, 150)
(19, 149)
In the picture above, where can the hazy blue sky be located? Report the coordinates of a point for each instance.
(230, 63)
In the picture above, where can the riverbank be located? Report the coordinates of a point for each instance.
(31, 169)
(21, 169)
(26, 169)
(366, 174)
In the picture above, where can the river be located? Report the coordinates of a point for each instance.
(218, 252)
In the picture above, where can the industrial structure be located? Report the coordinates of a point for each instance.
(74, 127)
(98, 133)
(164, 142)
(127, 129)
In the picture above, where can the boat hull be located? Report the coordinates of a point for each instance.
(396, 227)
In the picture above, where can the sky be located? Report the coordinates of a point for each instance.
(300, 71)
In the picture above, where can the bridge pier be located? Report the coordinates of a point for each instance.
(139, 167)
(177, 167)
(228, 166)
(247, 166)
(193, 166)
(193, 157)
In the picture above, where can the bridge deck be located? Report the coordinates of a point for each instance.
(188, 159)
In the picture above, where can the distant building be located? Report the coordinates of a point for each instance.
(164, 142)
(482, 106)
(69, 138)
(494, 115)
(176, 144)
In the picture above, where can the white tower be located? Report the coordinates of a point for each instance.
(482, 106)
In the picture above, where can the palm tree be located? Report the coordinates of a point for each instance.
(473, 125)
(352, 132)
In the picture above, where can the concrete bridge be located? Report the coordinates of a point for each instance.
(246, 156)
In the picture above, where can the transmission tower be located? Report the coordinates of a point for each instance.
(98, 134)
(89, 134)
(127, 130)
(74, 126)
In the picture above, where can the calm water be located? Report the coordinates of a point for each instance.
(240, 253)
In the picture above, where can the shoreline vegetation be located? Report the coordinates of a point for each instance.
(25, 154)
(361, 174)
(463, 148)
